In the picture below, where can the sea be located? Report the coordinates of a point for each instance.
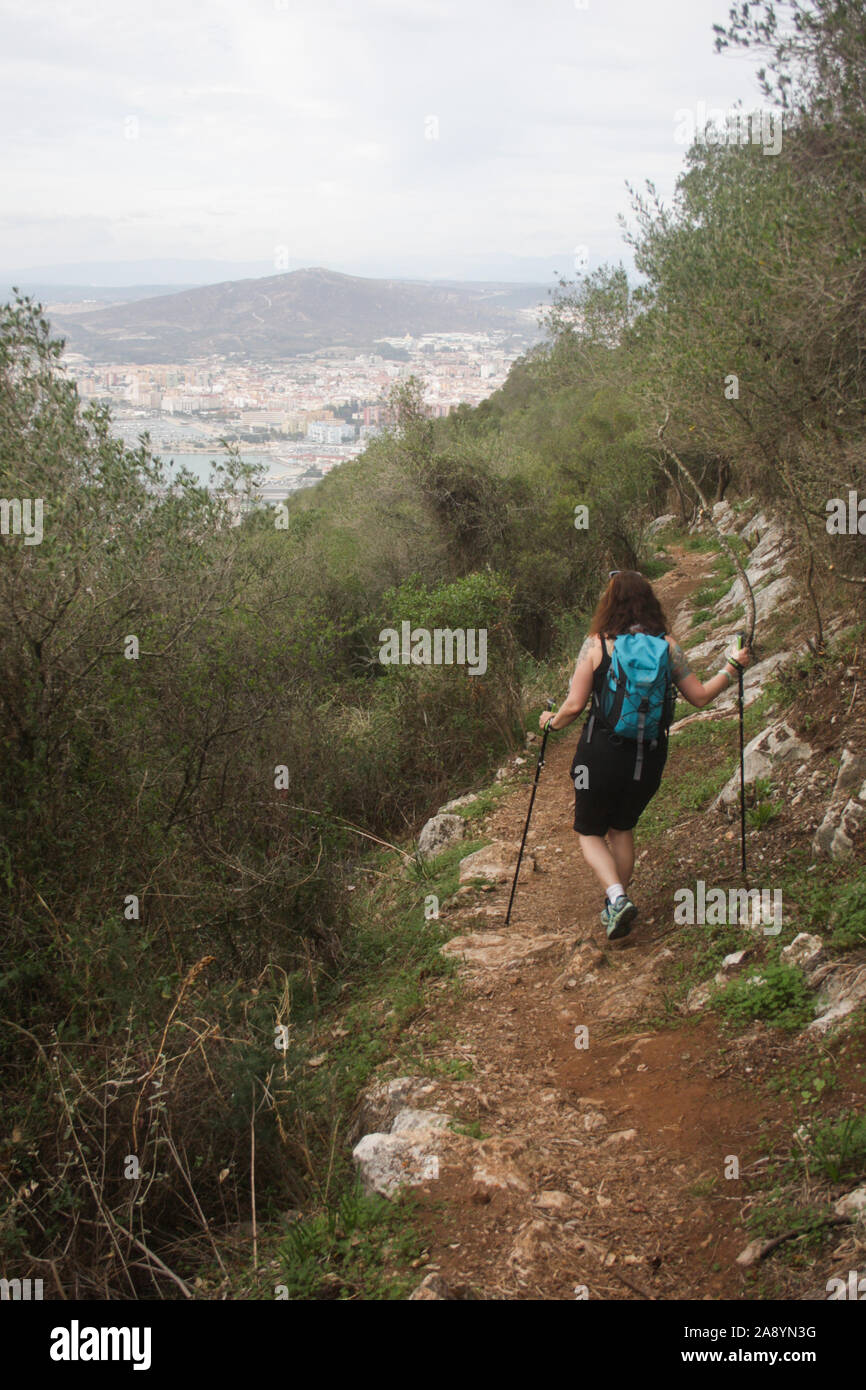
(285, 466)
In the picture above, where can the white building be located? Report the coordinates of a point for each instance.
(330, 432)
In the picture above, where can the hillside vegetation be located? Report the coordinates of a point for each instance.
(204, 759)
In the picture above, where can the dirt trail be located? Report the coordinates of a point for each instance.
(607, 1160)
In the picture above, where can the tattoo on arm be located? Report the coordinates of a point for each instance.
(679, 665)
(584, 651)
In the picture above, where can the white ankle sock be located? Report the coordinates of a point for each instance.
(615, 891)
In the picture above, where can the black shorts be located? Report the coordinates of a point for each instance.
(612, 799)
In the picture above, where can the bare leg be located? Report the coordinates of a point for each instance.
(622, 850)
(600, 859)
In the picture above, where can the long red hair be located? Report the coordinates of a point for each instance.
(628, 601)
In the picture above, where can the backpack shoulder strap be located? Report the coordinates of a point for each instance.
(599, 676)
(618, 683)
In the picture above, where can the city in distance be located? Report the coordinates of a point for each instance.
(294, 368)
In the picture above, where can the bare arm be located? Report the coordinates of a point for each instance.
(580, 688)
(697, 692)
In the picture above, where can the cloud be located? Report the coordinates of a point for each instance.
(342, 128)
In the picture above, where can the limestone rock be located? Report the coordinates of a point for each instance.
(380, 1104)
(438, 833)
(420, 1119)
(733, 961)
(495, 1174)
(492, 951)
(752, 1253)
(805, 950)
(495, 863)
(725, 517)
(660, 523)
(561, 1202)
(698, 997)
(840, 994)
(388, 1161)
(771, 544)
(774, 745)
(772, 588)
(779, 593)
(853, 1204)
(751, 531)
(852, 771)
(846, 813)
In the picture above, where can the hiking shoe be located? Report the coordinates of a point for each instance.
(605, 914)
(620, 916)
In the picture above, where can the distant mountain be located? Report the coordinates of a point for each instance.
(298, 312)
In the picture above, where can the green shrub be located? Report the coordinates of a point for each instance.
(763, 814)
(848, 916)
(839, 1148)
(774, 992)
(346, 1251)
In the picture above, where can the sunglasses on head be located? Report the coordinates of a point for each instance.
(611, 573)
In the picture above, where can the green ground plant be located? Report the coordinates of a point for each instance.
(773, 991)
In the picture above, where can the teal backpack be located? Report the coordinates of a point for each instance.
(636, 698)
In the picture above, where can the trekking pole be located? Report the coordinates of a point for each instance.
(538, 768)
(740, 645)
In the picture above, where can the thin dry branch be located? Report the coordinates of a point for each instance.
(722, 538)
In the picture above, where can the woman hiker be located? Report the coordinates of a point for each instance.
(618, 775)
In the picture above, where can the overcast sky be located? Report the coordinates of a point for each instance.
(440, 138)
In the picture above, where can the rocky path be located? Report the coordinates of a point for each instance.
(595, 1123)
